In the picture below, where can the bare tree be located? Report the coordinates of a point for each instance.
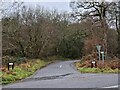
(99, 11)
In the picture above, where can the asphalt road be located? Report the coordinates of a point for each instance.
(64, 75)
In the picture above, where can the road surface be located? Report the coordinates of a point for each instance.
(64, 75)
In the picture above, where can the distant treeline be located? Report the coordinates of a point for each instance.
(36, 33)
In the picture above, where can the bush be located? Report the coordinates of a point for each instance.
(16, 60)
(71, 45)
(86, 62)
(109, 66)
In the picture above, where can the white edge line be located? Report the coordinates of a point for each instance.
(115, 86)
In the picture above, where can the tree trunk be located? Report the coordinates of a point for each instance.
(105, 27)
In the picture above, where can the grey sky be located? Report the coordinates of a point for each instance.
(60, 6)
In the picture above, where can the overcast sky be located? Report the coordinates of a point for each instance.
(60, 6)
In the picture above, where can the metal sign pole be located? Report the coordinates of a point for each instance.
(99, 56)
(98, 48)
(102, 57)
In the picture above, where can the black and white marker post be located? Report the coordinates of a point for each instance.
(11, 64)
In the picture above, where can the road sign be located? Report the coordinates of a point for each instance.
(98, 48)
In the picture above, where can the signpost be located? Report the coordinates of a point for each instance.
(98, 48)
(11, 64)
(93, 64)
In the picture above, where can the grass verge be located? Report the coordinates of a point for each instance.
(97, 70)
(22, 71)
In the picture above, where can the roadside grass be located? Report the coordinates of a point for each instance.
(22, 71)
(97, 70)
(110, 65)
(24, 67)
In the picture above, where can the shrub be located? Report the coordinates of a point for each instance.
(71, 46)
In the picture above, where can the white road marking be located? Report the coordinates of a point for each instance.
(116, 86)
(60, 66)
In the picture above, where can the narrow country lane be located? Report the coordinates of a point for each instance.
(64, 75)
